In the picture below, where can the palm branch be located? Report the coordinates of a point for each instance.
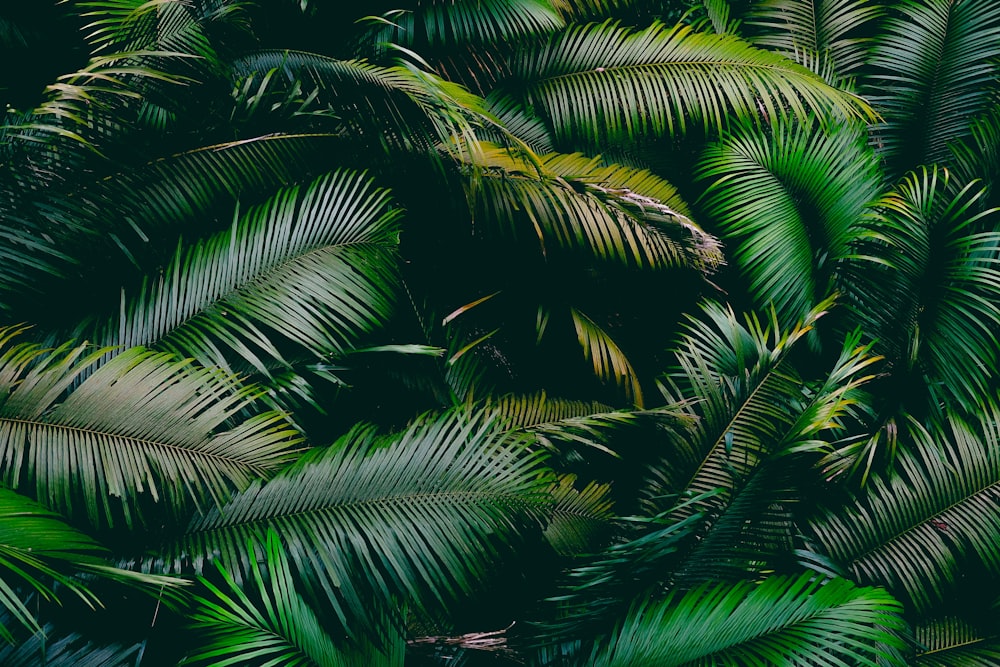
(789, 200)
(915, 528)
(599, 83)
(782, 620)
(934, 70)
(418, 517)
(827, 36)
(314, 265)
(266, 621)
(144, 434)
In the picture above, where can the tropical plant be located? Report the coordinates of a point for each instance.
(546, 332)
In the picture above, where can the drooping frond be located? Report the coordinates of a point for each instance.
(916, 528)
(604, 82)
(924, 281)
(40, 551)
(421, 517)
(571, 202)
(789, 200)
(978, 156)
(781, 621)
(267, 620)
(608, 359)
(144, 430)
(313, 265)
(830, 37)
(387, 108)
(53, 648)
(935, 70)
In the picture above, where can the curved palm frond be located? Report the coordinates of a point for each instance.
(399, 108)
(914, 529)
(953, 642)
(421, 516)
(935, 70)
(314, 265)
(266, 620)
(924, 281)
(53, 648)
(142, 431)
(449, 23)
(39, 550)
(789, 201)
(783, 620)
(609, 361)
(978, 156)
(573, 203)
(600, 83)
(827, 36)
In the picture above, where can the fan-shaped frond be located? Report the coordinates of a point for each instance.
(313, 265)
(916, 528)
(935, 70)
(143, 430)
(789, 201)
(781, 621)
(827, 36)
(266, 619)
(603, 82)
(924, 281)
(421, 516)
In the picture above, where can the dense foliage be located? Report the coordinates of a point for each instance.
(528, 332)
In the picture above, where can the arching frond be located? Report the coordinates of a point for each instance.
(578, 516)
(609, 361)
(40, 551)
(143, 434)
(783, 620)
(604, 82)
(314, 266)
(935, 70)
(916, 528)
(924, 280)
(421, 516)
(53, 648)
(790, 201)
(830, 37)
(953, 642)
(266, 619)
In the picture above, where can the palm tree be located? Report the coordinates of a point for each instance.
(350, 336)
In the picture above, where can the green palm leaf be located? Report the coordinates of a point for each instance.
(267, 622)
(952, 642)
(783, 620)
(827, 36)
(421, 516)
(141, 432)
(53, 648)
(789, 201)
(924, 281)
(916, 528)
(604, 82)
(314, 265)
(935, 70)
(579, 516)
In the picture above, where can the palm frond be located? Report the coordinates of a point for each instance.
(935, 70)
(916, 528)
(978, 156)
(924, 281)
(55, 648)
(143, 434)
(579, 516)
(783, 620)
(827, 36)
(314, 265)
(608, 359)
(597, 83)
(789, 201)
(266, 620)
(40, 551)
(953, 642)
(421, 517)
